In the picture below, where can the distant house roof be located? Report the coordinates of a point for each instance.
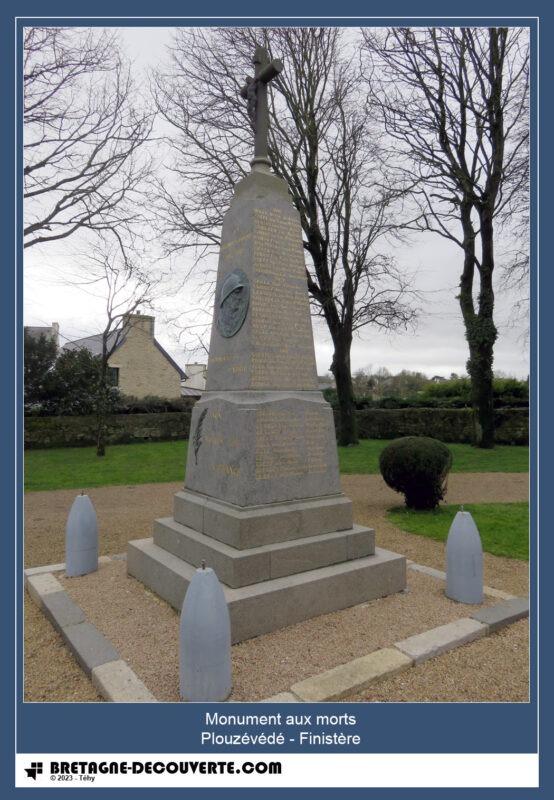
(187, 391)
(48, 331)
(94, 345)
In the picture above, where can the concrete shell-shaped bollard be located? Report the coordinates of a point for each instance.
(205, 641)
(81, 538)
(464, 560)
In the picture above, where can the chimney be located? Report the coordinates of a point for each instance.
(141, 323)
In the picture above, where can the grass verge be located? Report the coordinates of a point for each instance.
(123, 465)
(162, 462)
(504, 527)
(363, 459)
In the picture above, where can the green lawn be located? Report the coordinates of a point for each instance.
(364, 458)
(504, 527)
(123, 464)
(160, 462)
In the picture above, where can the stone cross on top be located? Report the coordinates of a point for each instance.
(255, 93)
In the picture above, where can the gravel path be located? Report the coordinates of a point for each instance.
(493, 669)
(145, 630)
(126, 512)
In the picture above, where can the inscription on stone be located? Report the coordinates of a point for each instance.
(280, 309)
(290, 445)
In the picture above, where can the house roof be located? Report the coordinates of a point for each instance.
(187, 391)
(36, 331)
(94, 344)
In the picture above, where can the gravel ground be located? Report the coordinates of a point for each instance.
(126, 513)
(51, 673)
(493, 669)
(145, 630)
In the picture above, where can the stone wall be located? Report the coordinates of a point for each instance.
(143, 369)
(446, 424)
(43, 432)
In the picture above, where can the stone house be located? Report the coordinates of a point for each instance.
(139, 365)
(48, 331)
(195, 380)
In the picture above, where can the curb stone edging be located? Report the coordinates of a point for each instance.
(116, 682)
(282, 697)
(338, 682)
(503, 614)
(353, 676)
(441, 576)
(30, 571)
(439, 640)
(112, 677)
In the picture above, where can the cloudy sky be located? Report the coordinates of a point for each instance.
(436, 347)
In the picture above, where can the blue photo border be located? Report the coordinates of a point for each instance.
(441, 727)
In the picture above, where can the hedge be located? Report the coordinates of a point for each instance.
(448, 425)
(43, 432)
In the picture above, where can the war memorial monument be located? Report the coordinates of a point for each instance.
(262, 503)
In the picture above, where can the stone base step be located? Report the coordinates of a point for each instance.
(243, 567)
(255, 526)
(265, 607)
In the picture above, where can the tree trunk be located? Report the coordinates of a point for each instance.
(479, 325)
(101, 405)
(348, 429)
(481, 338)
(481, 342)
(100, 429)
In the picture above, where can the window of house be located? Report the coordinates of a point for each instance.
(113, 376)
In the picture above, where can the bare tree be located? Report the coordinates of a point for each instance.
(125, 287)
(455, 103)
(83, 137)
(321, 142)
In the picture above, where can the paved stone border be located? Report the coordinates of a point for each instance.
(282, 697)
(116, 682)
(441, 576)
(503, 614)
(358, 674)
(336, 683)
(61, 567)
(438, 640)
(112, 677)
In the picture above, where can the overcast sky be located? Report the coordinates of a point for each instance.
(437, 347)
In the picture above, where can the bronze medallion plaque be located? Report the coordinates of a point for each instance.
(233, 301)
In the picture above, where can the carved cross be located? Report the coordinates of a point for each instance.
(255, 93)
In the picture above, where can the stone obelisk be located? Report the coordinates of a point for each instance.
(262, 503)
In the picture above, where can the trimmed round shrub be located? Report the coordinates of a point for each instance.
(417, 466)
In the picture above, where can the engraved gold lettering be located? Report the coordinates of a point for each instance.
(228, 469)
(283, 354)
(289, 445)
